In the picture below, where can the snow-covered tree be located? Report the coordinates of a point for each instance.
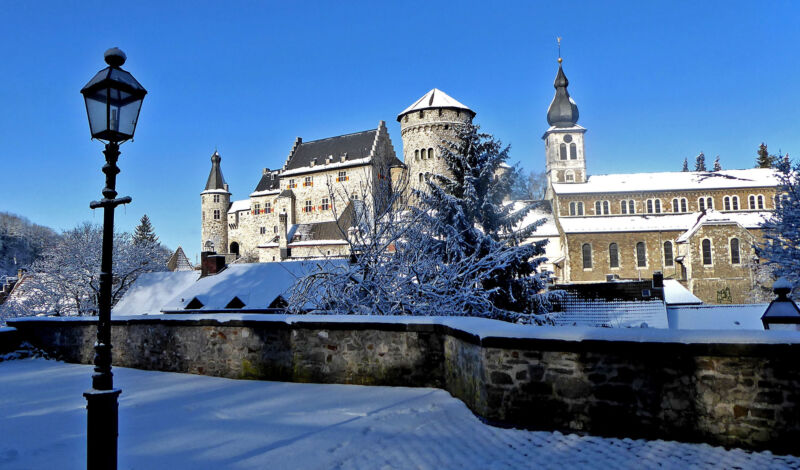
(21, 242)
(65, 279)
(685, 165)
(781, 247)
(456, 250)
(700, 162)
(717, 165)
(144, 233)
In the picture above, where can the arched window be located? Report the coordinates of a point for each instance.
(598, 207)
(760, 202)
(641, 255)
(569, 176)
(751, 201)
(684, 205)
(606, 208)
(573, 151)
(424, 154)
(416, 154)
(649, 206)
(675, 205)
(735, 258)
(430, 153)
(573, 208)
(613, 255)
(726, 203)
(580, 208)
(706, 252)
(587, 256)
(420, 177)
(735, 203)
(623, 206)
(705, 203)
(209, 246)
(563, 151)
(631, 207)
(668, 258)
(658, 206)
(654, 206)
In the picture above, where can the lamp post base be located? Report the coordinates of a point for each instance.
(102, 429)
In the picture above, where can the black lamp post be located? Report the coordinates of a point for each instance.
(113, 100)
(782, 313)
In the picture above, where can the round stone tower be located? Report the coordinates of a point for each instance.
(214, 203)
(424, 126)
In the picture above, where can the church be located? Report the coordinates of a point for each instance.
(695, 227)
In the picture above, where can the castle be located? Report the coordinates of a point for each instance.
(696, 227)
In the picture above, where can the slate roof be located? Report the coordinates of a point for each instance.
(356, 146)
(331, 230)
(434, 99)
(270, 181)
(215, 179)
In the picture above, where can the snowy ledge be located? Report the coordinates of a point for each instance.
(7, 329)
(480, 330)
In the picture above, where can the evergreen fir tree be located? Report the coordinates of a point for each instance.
(717, 166)
(781, 248)
(685, 165)
(144, 232)
(764, 159)
(700, 162)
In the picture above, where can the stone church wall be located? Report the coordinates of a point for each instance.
(610, 383)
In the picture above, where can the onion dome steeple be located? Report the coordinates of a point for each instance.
(215, 179)
(563, 112)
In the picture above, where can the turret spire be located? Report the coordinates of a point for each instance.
(563, 112)
(215, 179)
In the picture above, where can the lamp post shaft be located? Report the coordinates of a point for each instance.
(102, 405)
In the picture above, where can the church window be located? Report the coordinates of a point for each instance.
(263, 230)
(631, 207)
(654, 206)
(430, 153)
(587, 256)
(726, 202)
(416, 154)
(308, 207)
(601, 208)
(706, 247)
(641, 255)
(575, 208)
(705, 203)
(569, 176)
(216, 198)
(562, 149)
(613, 255)
(580, 208)
(668, 258)
(573, 151)
(751, 201)
(256, 208)
(760, 202)
(567, 138)
(658, 206)
(216, 214)
(735, 203)
(735, 258)
(342, 177)
(606, 208)
(326, 205)
(309, 181)
(627, 206)
(679, 204)
(649, 206)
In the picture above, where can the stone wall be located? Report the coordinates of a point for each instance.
(614, 382)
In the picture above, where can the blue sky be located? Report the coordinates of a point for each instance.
(655, 82)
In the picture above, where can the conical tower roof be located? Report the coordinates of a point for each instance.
(434, 99)
(215, 179)
(563, 112)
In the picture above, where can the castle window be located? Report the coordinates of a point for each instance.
(406, 118)
(573, 151)
(342, 176)
(309, 181)
(735, 258)
(216, 214)
(292, 184)
(562, 149)
(641, 255)
(587, 256)
(430, 153)
(613, 255)
(204, 216)
(440, 111)
(216, 198)
(422, 114)
(256, 208)
(268, 207)
(424, 154)
(325, 204)
(416, 154)
(668, 258)
(420, 177)
(263, 230)
(706, 248)
(308, 207)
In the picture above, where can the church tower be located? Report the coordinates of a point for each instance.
(214, 203)
(424, 126)
(563, 141)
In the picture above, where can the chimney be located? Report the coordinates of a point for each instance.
(211, 263)
(658, 280)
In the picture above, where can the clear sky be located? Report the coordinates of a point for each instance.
(655, 82)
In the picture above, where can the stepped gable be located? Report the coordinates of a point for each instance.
(353, 146)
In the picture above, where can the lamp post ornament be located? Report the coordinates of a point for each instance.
(113, 100)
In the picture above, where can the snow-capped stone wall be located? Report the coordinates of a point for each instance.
(732, 388)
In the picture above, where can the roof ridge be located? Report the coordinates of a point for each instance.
(337, 136)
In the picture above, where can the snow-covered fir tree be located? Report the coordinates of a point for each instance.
(717, 165)
(781, 247)
(144, 233)
(685, 164)
(700, 162)
(764, 159)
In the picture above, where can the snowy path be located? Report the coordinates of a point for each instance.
(179, 421)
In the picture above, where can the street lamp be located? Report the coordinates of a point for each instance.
(113, 100)
(782, 313)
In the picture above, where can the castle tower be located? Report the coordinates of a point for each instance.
(424, 126)
(563, 141)
(214, 203)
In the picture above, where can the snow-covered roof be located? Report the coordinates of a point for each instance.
(328, 166)
(676, 294)
(152, 290)
(241, 205)
(216, 191)
(435, 98)
(671, 181)
(710, 217)
(266, 192)
(716, 317)
(655, 222)
(621, 304)
(256, 285)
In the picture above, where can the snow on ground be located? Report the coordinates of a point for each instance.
(181, 421)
